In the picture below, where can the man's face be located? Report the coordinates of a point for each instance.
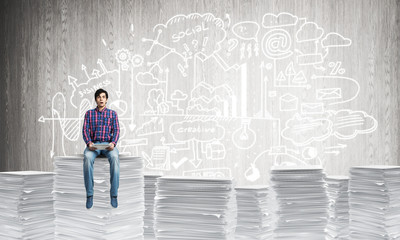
(101, 100)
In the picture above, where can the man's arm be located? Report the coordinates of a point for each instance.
(115, 129)
(86, 130)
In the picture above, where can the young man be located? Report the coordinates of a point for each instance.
(101, 126)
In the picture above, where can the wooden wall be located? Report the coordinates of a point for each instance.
(45, 45)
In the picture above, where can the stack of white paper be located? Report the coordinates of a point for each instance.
(374, 202)
(302, 202)
(74, 221)
(149, 195)
(195, 208)
(253, 220)
(26, 205)
(338, 221)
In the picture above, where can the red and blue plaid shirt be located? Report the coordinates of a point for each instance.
(101, 126)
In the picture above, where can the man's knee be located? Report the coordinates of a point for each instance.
(89, 157)
(114, 156)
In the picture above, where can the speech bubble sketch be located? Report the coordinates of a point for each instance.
(283, 19)
(246, 30)
(347, 124)
(193, 30)
(153, 126)
(146, 79)
(276, 44)
(244, 137)
(309, 31)
(334, 39)
(305, 130)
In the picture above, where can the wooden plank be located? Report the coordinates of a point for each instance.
(48, 41)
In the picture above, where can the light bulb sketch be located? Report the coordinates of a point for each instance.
(244, 137)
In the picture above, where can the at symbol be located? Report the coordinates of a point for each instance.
(276, 44)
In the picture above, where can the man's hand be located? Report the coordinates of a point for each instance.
(111, 147)
(91, 147)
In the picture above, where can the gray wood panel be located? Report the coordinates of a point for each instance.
(44, 42)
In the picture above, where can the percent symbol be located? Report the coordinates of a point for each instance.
(336, 68)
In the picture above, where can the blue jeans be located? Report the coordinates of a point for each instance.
(88, 162)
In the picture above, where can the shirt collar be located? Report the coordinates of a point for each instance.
(97, 109)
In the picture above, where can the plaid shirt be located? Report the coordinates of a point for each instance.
(102, 126)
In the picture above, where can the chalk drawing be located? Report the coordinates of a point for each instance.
(176, 118)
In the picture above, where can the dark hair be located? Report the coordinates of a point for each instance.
(100, 91)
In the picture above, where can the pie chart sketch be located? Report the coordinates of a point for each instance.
(120, 106)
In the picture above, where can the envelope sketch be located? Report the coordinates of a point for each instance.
(329, 93)
(312, 108)
(288, 102)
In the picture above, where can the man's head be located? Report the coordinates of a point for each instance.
(101, 97)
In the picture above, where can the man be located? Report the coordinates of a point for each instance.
(101, 126)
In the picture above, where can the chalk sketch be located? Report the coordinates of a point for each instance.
(177, 115)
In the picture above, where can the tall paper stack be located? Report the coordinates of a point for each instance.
(338, 222)
(74, 221)
(254, 220)
(149, 195)
(26, 205)
(302, 202)
(195, 208)
(374, 202)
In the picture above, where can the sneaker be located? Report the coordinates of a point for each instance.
(114, 202)
(89, 202)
